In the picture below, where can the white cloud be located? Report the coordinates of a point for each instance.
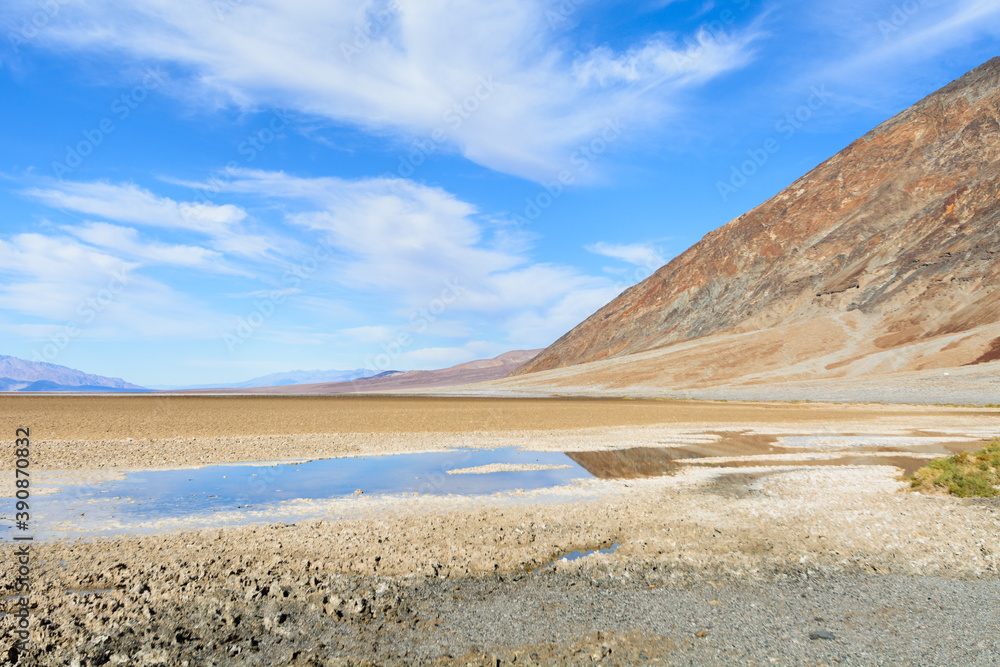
(125, 240)
(939, 28)
(425, 254)
(392, 256)
(890, 35)
(493, 77)
(658, 61)
(66, 282)
(640, 254)
(129, 203)
(533, 328)
(40, 256)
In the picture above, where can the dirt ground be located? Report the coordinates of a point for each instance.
(89, 417)
(712, 564)
(141, 432)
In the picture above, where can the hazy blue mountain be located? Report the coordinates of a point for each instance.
(286, 378)
(22, 375)
(48, 385)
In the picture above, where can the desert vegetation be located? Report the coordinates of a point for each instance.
(966, 474)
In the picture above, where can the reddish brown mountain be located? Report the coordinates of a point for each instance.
(886, 257)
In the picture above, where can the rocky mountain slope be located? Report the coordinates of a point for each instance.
(884, 258)
(22, 375)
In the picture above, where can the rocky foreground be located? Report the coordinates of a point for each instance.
(714, 567)
(779, 556)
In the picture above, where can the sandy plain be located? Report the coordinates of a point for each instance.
(775, 523)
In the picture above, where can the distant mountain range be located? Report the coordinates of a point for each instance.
(480, 370)
(22, 375)
(282, 379)
(30, 376)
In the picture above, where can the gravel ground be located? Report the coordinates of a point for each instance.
(964, 385)
(870, 620)
(918, 388)
(561, 618)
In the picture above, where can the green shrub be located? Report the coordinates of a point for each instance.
(966, 474)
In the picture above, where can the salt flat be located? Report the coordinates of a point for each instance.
(760, 525)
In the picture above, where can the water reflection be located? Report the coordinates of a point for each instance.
(166, 494)
(629, 463)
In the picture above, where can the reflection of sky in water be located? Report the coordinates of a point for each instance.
(577, 555)
(162, 494)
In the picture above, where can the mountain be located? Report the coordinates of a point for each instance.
(21, 375)
(286, 378)
(480, 370)
(48, 386)
(883, 259)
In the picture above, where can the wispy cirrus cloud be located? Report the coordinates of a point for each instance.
(404, 242)
(389, 248)
(129, 203)
(495, 78)
(644, 255)
(61, 281)
(867, 43)
(126, 241)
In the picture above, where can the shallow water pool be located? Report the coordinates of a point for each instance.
(147, 496)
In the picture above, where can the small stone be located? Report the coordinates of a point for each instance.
(701, 633)
(821, 634)
(358, 492)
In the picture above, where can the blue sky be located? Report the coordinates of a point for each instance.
(200, 191)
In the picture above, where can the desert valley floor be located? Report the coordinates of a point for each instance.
(721, 532)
